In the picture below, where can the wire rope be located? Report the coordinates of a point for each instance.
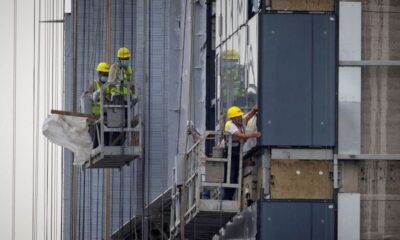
(180, 101)
(55, 160)
(84, 203)
(90, 202)
(121, 195)
(47, 146)
(52, 100)
(132, 166)
(14, 115)
(102, 202)
(149, 107)
(79, 196)
(163, 180)
(34, 127)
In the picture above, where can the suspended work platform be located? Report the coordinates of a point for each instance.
(116, 134)
(113, 157)
(201, 202)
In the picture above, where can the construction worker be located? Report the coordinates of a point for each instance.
(236, 126)
(123, 63)
(121, 74)
(103, 69)
(95, 90)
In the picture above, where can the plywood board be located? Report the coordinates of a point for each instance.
(305, 5)
(301, 179)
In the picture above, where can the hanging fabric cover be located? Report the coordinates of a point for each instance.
(69, 132)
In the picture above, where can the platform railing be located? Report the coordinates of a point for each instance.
(206, 177)
(117, 130)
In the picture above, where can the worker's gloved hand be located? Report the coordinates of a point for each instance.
(96, 96)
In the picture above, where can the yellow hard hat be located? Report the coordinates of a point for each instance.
(103, 67)
(124, 53)
(234, 112)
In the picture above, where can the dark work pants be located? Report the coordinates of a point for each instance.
(229, 192)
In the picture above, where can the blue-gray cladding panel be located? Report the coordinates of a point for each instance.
(282, 219)
(324, 79)
(297, 80)
(285, 80)
(322, 221)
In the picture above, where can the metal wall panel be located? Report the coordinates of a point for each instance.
(349, 131)
(306, 220)
(322, 221)
(285, 95)
(349, 127)
(323, 80)
(350, 31)
(348, 216)
(297, 84)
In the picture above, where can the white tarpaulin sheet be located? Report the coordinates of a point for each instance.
(69, 132)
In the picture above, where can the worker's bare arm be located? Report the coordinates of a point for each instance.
(253, 111)
(247, 135)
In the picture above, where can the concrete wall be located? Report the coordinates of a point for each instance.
(378, 181)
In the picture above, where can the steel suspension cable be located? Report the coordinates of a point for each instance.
(148, 216)
(35, 125)
(97, 203)
(121, 194)
(90, 202)
(47, 101)
(78, 201)
(84, 203)
(163, 181)
(14, 116)
(51, 173)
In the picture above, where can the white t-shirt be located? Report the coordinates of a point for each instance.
(232, 128)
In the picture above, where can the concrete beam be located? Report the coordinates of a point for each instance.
(302, 154)
(366, 63)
